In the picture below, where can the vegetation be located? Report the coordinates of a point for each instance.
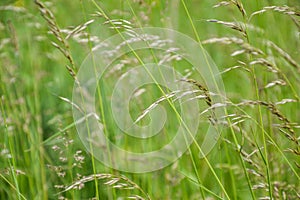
(254, 44)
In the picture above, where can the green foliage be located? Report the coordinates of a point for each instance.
(255, 45)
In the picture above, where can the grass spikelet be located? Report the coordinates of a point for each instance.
(281, 9)
(240, 6)
(224, 40)
(261, 61)
(116, 181)
(284, 101)
(202, 88)
(121, 25)
(235, 67)
(154, 105)
(222, 3)
(237, 3)
(246, 47)
(79, 28)
(232, 25)
(274, 83)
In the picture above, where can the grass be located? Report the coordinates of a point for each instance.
(254, 44)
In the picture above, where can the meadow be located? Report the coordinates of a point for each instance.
(249, 98)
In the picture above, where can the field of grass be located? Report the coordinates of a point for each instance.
(49, 49)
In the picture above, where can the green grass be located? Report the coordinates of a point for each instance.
(257, 154)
